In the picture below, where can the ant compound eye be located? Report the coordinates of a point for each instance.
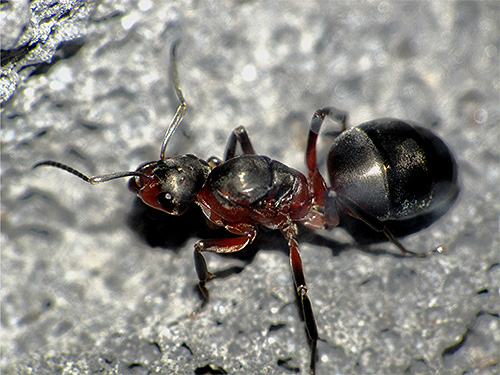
(171, 205)
(166, 200)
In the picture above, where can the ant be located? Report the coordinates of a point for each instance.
(243, 192)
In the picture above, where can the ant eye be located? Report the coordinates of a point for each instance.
(171, 205)
(166, 201)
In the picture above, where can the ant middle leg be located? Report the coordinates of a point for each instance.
(239, 134)
(305, 302)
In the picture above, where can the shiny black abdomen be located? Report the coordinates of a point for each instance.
(395, 171)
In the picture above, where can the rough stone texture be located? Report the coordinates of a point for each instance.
(94, 283)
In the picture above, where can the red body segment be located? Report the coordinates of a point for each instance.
(274, 210)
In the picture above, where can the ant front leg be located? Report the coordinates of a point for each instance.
(239, 134)
(318, 183)
(220, 246)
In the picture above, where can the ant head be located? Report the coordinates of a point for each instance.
(171, 184)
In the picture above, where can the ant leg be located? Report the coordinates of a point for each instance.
(305, 302)
(354, 210)
(214, 161)
(318, 183)
(220, 246)
(238, 134)
(315, 219)
(181, 109)
(337, 116)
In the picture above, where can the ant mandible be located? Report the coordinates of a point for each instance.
(389, 174)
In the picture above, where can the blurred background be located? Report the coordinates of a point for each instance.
(92, 281)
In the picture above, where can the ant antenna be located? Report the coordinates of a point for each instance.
(176, 120)
(181, 109)
(94, 180)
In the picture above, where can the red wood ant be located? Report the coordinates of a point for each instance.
(242, 192)
(238, 193)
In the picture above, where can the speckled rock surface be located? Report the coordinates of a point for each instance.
(94, 283)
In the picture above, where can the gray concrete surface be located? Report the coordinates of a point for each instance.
(87, 286)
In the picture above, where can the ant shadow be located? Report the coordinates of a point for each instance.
(161, 230)
(171, 233)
